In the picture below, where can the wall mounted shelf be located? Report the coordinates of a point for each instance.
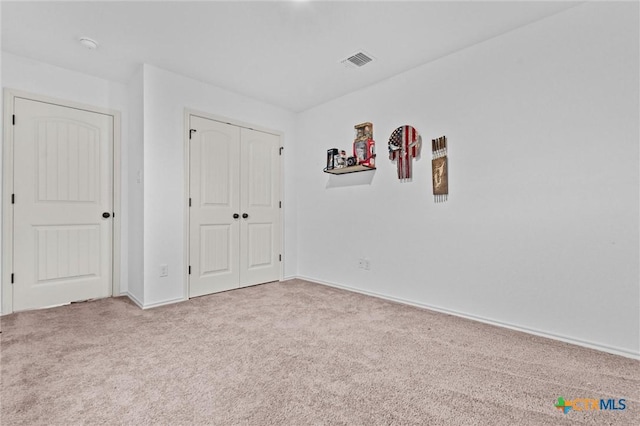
(350, 169)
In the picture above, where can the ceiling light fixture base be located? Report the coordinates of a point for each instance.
(88, 43)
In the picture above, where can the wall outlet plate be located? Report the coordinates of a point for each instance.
(364, 264)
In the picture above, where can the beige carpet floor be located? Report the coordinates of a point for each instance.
(294, 353)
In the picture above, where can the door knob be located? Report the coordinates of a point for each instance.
(244, 215)
(106, 215)
(236, 215)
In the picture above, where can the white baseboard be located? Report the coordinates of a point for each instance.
(133, 299)
(603, 348)
(165, 302)
(152, 305)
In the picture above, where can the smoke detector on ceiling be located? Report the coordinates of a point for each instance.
(357, 60)
(88, 43)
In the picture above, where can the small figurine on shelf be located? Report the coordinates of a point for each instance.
(341, 160)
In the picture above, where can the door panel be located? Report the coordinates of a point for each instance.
(216, 152)
(67, 252)
(63, 162)
(261, 248)
(260, 197)
(67, 155)
(214, 179)
(215, 249)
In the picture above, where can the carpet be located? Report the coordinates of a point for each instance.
(294, 353)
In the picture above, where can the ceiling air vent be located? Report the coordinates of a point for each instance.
(358, 59)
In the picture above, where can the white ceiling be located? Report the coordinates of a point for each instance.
(286, 53)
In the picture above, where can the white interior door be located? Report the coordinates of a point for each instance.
(260, 198)
(63, 183)
(215, 199)
(234, 228)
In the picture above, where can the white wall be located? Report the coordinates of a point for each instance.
(135, 211)
(166, 95)
(541, 227)
(36, 77)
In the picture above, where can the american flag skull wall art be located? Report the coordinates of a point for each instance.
(404, 146)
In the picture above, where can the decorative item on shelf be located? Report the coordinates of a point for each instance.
(364, 153)
(341, 160)
(332, 153)
(404, 145)
(440, 171)
(364, 147)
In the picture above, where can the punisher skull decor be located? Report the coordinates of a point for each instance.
(404, 145)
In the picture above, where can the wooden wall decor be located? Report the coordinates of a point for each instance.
(404, 145)
(440, 172)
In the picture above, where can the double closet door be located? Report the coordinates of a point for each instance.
(234, 213)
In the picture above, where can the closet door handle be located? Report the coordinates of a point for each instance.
(244, 215)
(236, 215)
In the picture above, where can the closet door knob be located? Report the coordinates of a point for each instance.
(106, 215)
(236, 215)
(244, 215)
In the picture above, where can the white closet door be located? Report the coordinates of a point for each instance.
(63, 165)
(215, 198)
(234, 171)
(260, 197)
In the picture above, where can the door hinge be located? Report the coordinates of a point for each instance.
(189, 269)
(11, 278)
(13, 198)
(280, 257)
(189, 202)
(281, 148)
(14, 119)
(191, 132)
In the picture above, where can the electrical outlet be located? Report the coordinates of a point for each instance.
(364, 264)
(164, 270)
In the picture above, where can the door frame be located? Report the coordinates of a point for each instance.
(7, 189)
(187, 184)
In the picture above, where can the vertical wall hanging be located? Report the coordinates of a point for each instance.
(440, 169)
(404, 145)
